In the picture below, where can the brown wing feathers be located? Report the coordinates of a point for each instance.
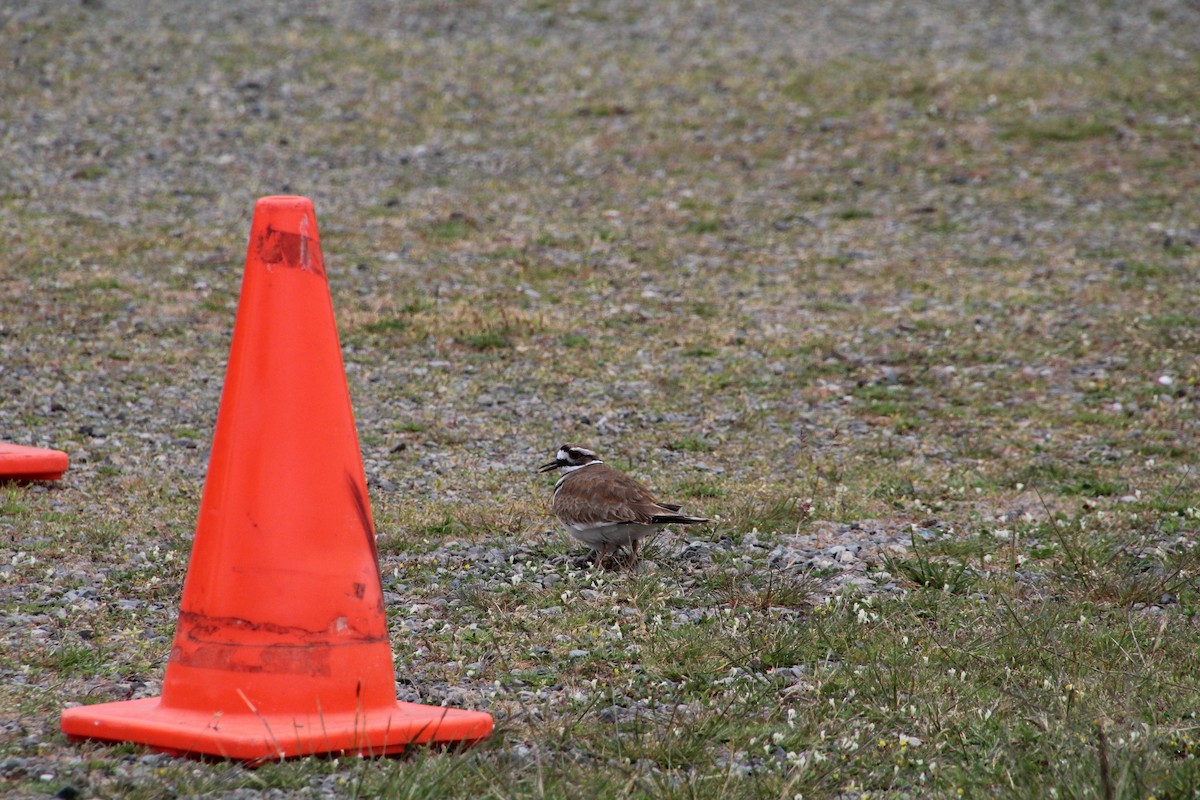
(606, 495)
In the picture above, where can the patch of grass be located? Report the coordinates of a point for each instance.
(700, 487)
(704, 225)
(690, 444)
(926, 572)
(602, 110)
(1057, 130)
(685, 653)
(774, 644)
(91, 172)
(897, 490)
(451, 229)
(82, 660)
(11, 506)
(943, 227)
(486, 340)
(216, 305)
(1053, 476)
(763, 590)
(768, 513)
(1124, 573)
(387, 325)
(1142, 272)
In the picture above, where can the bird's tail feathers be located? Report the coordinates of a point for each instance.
(677, 519)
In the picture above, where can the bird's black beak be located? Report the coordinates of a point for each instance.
(553, 465)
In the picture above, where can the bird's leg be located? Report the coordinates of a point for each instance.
(602, 555)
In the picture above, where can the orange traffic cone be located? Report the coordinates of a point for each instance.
(282, 644)
(21, 463)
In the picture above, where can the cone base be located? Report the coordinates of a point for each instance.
(21, 463)
(255, 738)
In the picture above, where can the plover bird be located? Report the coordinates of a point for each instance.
(604, 508)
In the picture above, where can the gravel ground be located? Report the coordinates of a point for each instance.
(133, 129)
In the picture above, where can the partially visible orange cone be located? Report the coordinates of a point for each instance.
(21, 463)
(281, 648)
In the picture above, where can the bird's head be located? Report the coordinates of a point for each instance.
(569, 457)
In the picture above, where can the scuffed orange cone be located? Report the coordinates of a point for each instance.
(21, 463)
(282, 645)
